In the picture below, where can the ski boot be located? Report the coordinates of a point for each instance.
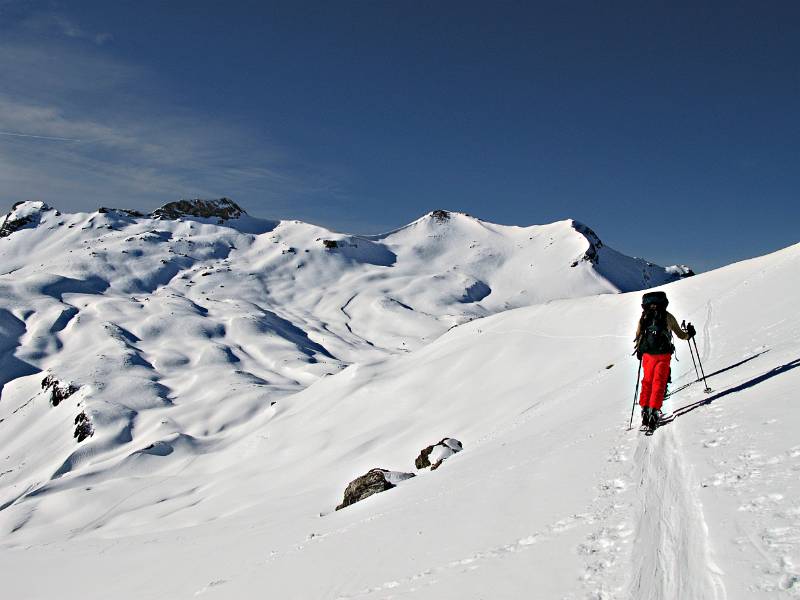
(655, 418)
(645, 417)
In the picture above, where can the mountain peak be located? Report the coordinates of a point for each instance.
(22, 214)
(223, 209)
(594, 242)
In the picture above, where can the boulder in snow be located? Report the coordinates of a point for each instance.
(58, 391)
(433, 456)
(372, 482)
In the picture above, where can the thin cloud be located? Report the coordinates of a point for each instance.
(38, 137)
(117, 137)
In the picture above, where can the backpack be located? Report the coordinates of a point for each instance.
(655, 337)
(659, 298)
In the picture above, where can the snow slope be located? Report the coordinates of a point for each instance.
(179, 331)
(195, 483)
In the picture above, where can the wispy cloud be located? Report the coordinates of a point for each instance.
(80, 128)
(38, 137)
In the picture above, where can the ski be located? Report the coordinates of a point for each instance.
(664, 420)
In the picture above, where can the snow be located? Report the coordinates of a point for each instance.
(236, 387)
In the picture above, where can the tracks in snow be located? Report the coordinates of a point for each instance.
(671, 557)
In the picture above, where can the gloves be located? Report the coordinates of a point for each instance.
(691, 331)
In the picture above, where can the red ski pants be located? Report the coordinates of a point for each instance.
(654, 382)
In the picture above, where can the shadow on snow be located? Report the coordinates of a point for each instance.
(742, 386)
(722, 370)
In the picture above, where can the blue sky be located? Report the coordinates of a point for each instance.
(671, 128)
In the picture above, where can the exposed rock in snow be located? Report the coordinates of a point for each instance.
(223, 209)
(22, 214)
(104, 210)
(58, 391)
(83, 427)
(440, 216)
(373, 482)
(433, 456)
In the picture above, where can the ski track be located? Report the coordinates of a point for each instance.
(670, 553)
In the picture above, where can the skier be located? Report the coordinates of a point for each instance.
(654, 348)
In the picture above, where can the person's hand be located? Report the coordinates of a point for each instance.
(691, 331)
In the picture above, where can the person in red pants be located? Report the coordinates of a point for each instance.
(654, 347)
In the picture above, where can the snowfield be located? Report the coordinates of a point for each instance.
(234, 375)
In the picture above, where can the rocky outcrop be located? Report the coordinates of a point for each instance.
(58, 391)
(372, 482)
(433, 456)
(104, 210)
(222, 209)
(83, 427)
(22, 215)
(330, 244)
(440, 216)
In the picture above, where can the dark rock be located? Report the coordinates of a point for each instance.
(330, 244)
(12, 223)
(440, 216)
(131, 213)
(83, 427)
(222, 209)
(433, 456)
(58, 391)
(10, 226)
(372, 482)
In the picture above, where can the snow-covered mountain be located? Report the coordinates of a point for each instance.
(229, 376)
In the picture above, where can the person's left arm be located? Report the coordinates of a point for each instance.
(672, 323)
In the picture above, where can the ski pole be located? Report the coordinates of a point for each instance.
(635, 394)
(683, 326)
(708, 390)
